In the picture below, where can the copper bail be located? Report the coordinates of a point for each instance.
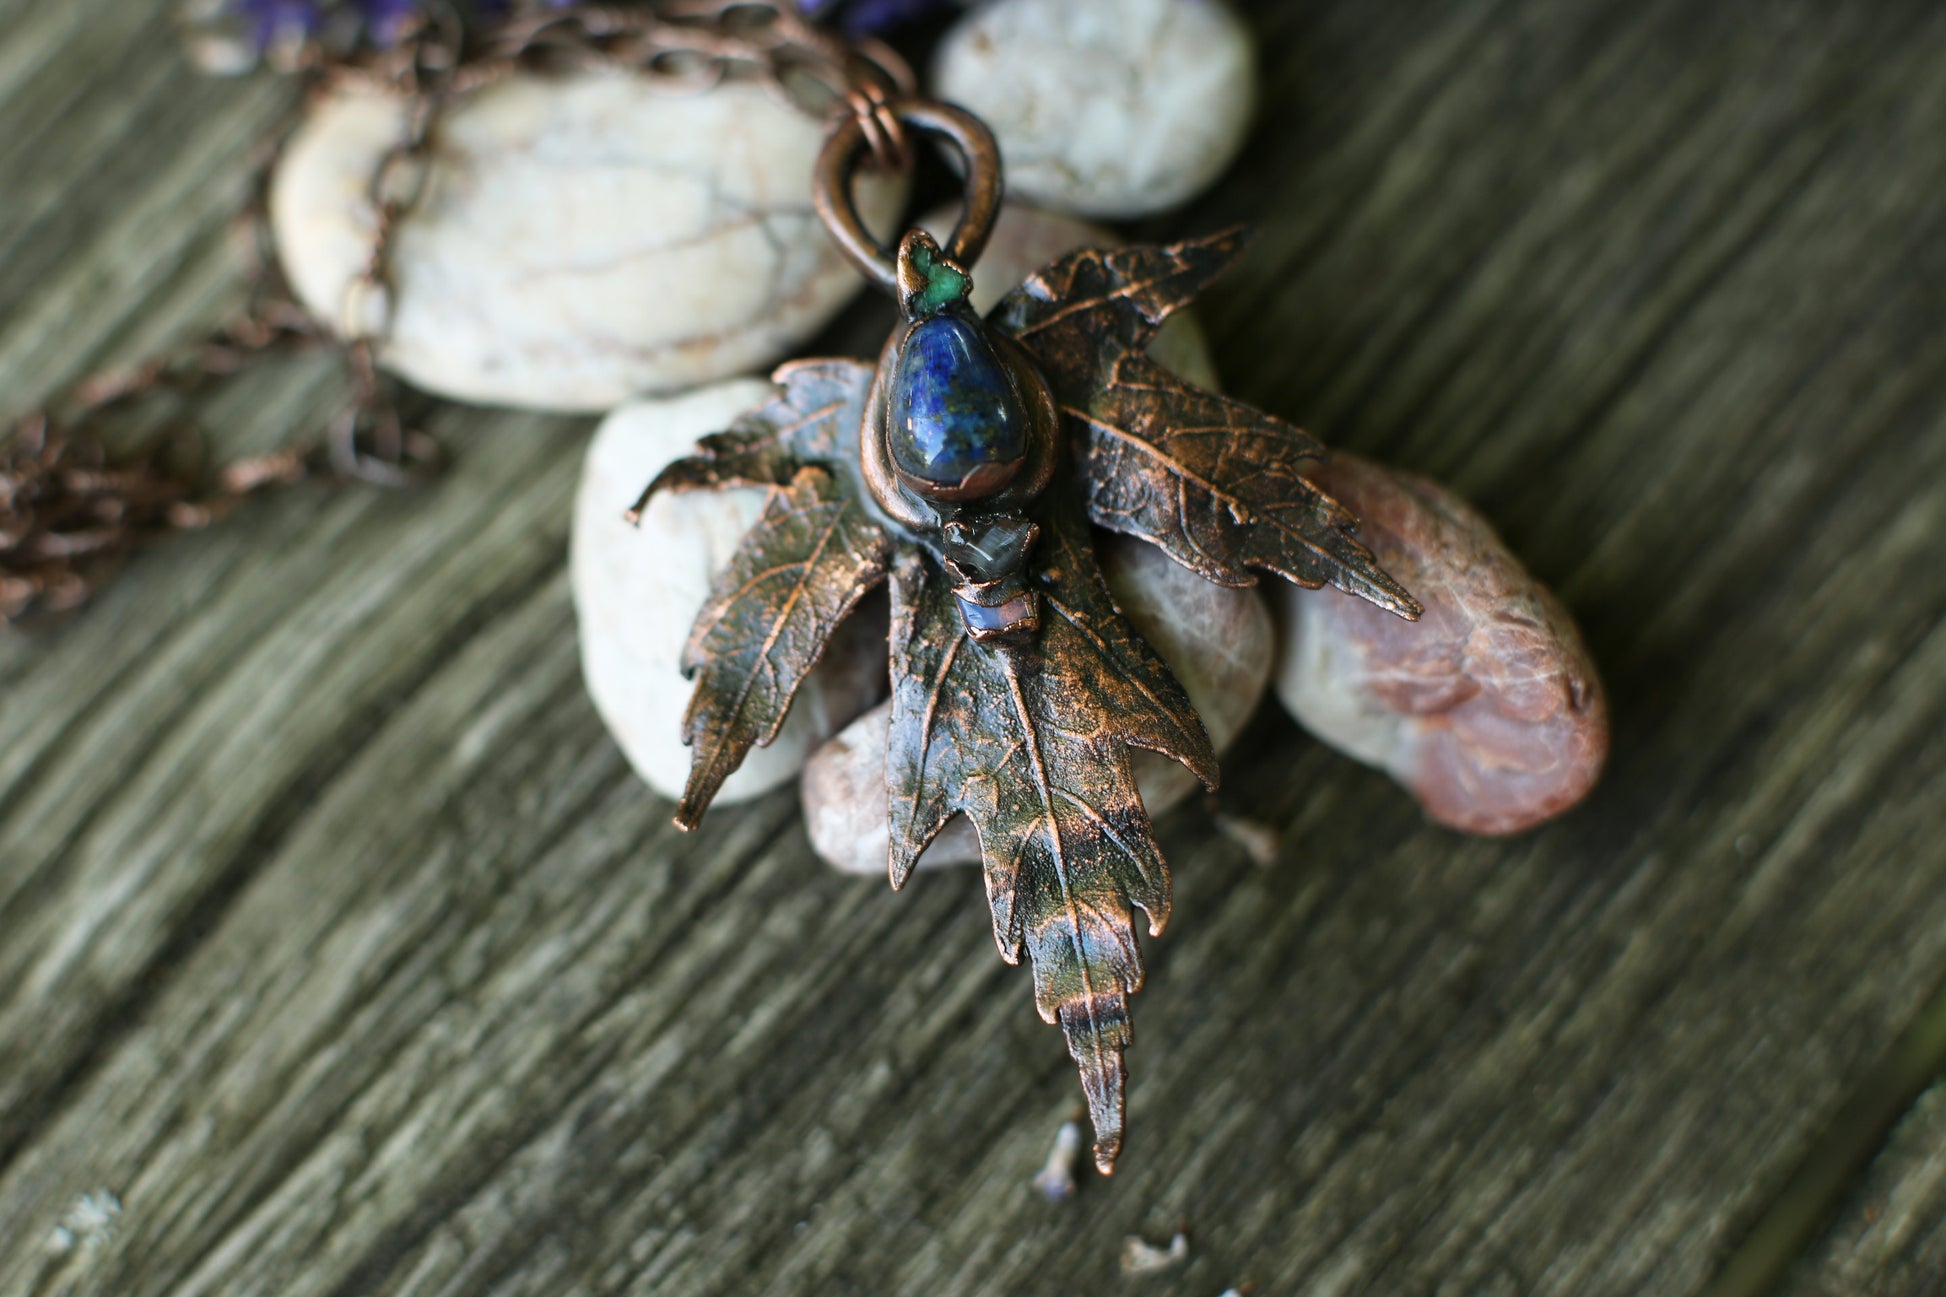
(852, 138)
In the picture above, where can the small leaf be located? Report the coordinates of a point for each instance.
(1218, 485)
(813, 420)
(1031, 743)
(1079, 313)
(797, 575)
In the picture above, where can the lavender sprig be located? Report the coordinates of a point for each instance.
(861, 18)
(232, 36)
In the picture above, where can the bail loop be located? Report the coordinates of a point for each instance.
(850, 139)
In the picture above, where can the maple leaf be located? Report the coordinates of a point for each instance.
(796, 576)
(1032, 744)
(1217, 484)
(798, 573)
(812, 420)
(1077, 314)
(1027, 730)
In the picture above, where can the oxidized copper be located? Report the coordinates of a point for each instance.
(1018, 687)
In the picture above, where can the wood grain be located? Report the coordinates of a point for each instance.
(1890, 1238)
(339, 946)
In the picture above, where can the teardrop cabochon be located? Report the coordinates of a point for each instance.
(955, 426)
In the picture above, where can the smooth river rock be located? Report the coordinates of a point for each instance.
(1219, 641)
(583, 239)
(638, 589)
(1488, 709)
(1105, 108)
(1026, 239)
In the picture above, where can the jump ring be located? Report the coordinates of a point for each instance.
(850, 139)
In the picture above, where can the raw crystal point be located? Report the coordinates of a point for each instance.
(988, 548)
(1219, 641)
(1488, 708)
(953, 408)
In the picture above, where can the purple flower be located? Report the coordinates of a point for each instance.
(231, 36)
(859, 18)
(274, 22)
(235, 35)
(382, 22)
(385, 21)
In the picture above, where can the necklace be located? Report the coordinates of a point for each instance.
(966, 469)
(972, 469)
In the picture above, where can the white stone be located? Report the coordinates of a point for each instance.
(1026, 239)
(1105, 108)
(637, 590)
(582, 239)
(1220, 643)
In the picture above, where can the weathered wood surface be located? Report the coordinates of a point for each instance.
(1890, 1239)
(338, 945)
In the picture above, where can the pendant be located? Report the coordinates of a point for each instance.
(968, 468)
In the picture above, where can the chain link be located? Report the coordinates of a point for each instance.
(368, 440)
(692, 45)
(69, 510)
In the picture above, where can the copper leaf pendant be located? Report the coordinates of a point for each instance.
(972, 464)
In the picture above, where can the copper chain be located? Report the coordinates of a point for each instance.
(69, 509)
(368, 440)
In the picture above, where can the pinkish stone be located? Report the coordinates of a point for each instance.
(1488, 708)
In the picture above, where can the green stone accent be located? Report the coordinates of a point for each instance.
(945, 283)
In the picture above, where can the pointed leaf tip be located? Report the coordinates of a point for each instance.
(812, 419)
(696, 798)
(634, 513)
(1096, 1027)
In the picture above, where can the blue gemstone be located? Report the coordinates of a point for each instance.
(953, 408)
